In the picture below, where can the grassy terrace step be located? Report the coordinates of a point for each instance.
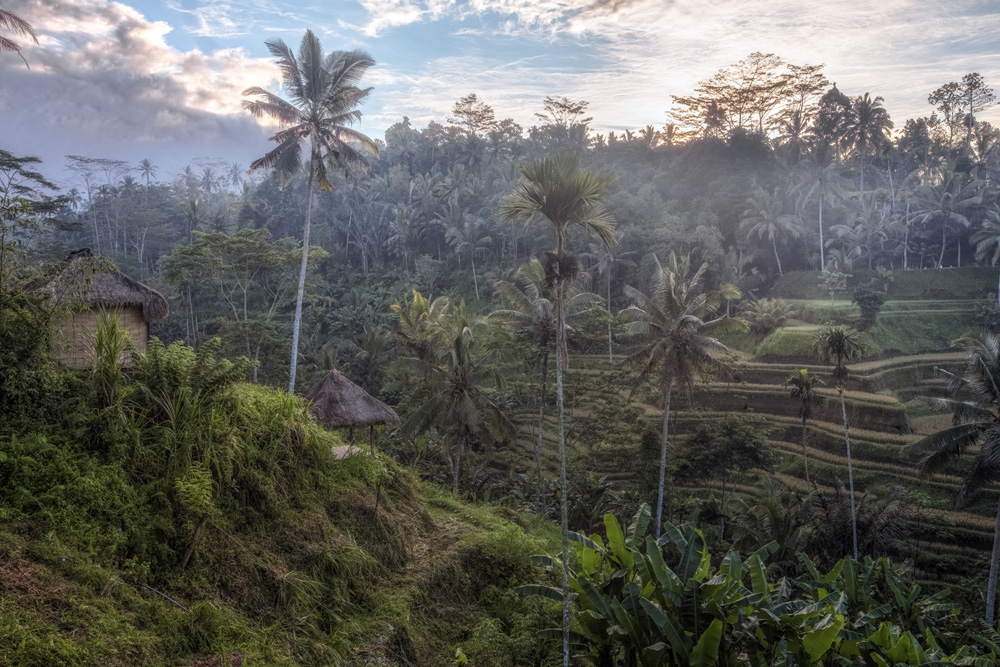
(947, 482)
(964, 283)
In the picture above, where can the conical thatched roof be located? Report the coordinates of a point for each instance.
(86, 280)
(339, 403)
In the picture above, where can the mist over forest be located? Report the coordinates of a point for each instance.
(719, 390)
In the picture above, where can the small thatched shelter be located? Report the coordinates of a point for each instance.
(87, 285)
(336, 402)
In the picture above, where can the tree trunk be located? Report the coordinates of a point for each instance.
(944, 237)
(667, 386)
(850, 472)
(541, 429)
(805, 454)
(297, 322)
(563, 500)
(611, 352)
(906, 239)
(774, 244)
(822, 254)
(991, 589)
(475, 280)
(456, 464)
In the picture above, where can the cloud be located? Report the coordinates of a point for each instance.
(106, 81)
(629, 56)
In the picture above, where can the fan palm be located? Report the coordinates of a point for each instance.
(946, 201)
(569, 198)
(324, 96)
(840, 344)
(866, 128)
(976, 431)
(804, 390)
(530, 313)
(763, 218)
(18, 26)
(671, 325)
(987, 240)
(819, 177)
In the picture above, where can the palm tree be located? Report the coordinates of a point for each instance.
(946, 201)
(976, 431)
(819, 177)
(840, 344)
(568, 197)
(671, 326)
(18, 26)
(804, 389)
(147, 170)
(422, 324)
(465, 232)
(865, 128)
(763, 218)
(235, 176)
(460, 405)
(324, 96)
(987, 240)
(531, 315)
(605, 259)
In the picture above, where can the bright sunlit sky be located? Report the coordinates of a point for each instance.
(162, 80)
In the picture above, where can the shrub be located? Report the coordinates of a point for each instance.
(870, 302)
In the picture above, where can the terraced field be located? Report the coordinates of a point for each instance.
(607, 416)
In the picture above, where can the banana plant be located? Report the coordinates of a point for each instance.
(658, 602)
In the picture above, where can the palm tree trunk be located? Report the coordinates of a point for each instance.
(475, 280)
(667, 386)
(906, 239)
(944, 237)
(822, 255)
(456, 463)
(805, 454)
(563, 487)
(541, 428)
(850, 472)
(991, 590)
(611, 352)
(774, 244)
(297, 322)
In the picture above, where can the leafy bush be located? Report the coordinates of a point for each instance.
(870, 302)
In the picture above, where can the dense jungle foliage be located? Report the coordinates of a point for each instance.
(691, 326)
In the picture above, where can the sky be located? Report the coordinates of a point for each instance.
(163, 80)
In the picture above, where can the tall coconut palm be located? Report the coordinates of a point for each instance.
(840, 344)
(18, 26)
(323, 99)
(976, 431)
(672, 326)
(804, 390)
(947, 200)
(568, 197)
(865, 128)
(530, 313)
(819, 178)
(147, 170)
(764, 219)
(605, 259)
(987, 240)
(465, 232)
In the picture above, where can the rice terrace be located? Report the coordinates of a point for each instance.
(499, 333)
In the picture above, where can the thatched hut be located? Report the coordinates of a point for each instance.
(336, 402)
(86, 285)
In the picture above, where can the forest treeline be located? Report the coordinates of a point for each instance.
(765, 168)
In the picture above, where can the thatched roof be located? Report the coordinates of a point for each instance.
(339, 403)
(86, 280)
